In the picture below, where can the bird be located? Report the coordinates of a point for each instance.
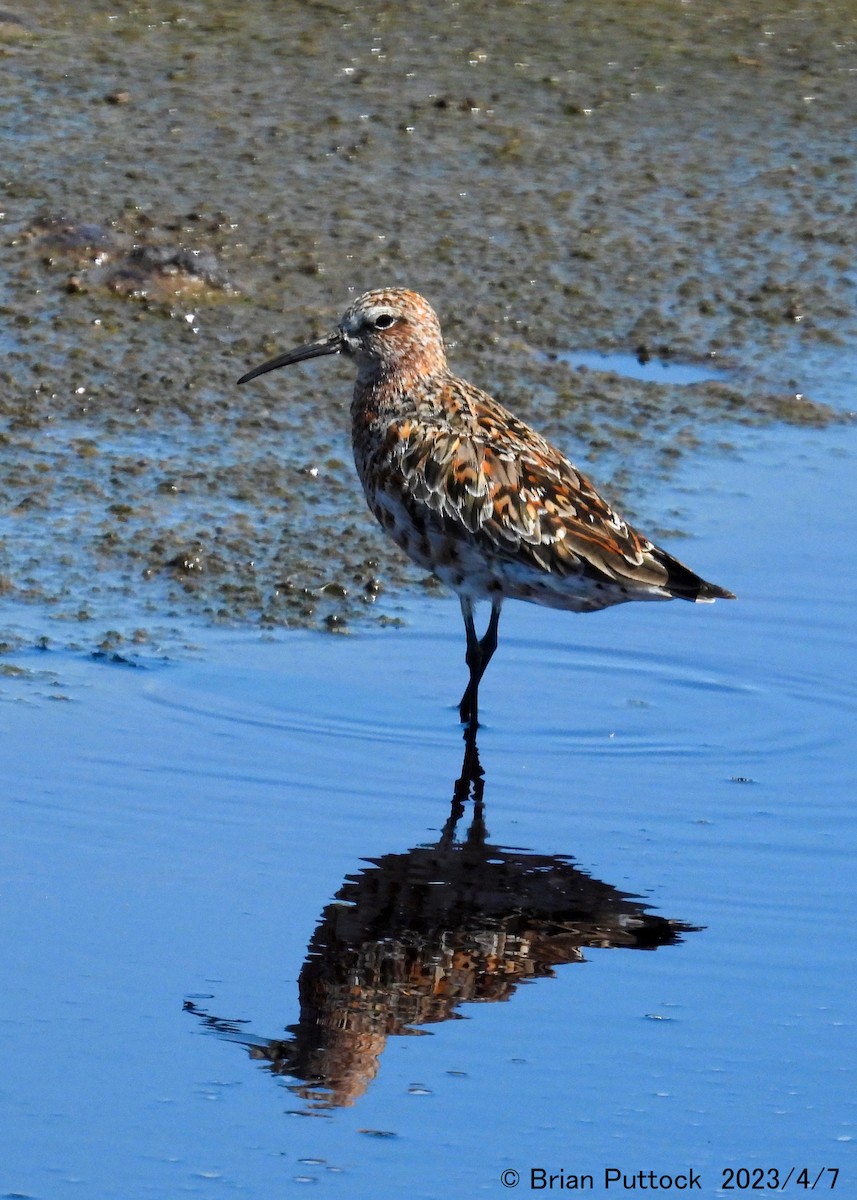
(471, 492)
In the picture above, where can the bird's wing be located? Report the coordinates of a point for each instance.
(489, 477)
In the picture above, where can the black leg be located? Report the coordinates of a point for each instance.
(478, 655)
(468, 705)
(489, 643)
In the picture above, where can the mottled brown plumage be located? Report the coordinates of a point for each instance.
(474, 494)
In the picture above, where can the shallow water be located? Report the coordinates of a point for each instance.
(648, 370)
(181, 831)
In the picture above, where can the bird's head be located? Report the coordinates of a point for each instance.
(388, 331)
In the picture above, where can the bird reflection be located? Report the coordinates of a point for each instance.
(411, 936)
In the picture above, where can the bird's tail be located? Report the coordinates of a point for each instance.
(685, 584)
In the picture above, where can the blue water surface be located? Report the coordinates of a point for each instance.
(173, 833)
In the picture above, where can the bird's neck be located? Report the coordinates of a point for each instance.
(383, 397)
(417, 374)
(414, 363)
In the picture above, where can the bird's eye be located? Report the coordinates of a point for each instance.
(384, 321)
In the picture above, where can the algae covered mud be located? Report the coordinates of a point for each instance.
(188, 187)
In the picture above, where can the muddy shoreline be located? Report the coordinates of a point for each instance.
(187, 191)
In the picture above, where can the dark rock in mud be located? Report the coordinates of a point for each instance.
(166, 271)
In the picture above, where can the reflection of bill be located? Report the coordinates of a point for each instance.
(413, 935)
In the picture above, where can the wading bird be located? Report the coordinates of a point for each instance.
(472, 493)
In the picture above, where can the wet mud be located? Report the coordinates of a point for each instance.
(187, 190)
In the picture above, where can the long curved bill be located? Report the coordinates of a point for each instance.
(328, 345)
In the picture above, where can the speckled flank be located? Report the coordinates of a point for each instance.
(471, 492)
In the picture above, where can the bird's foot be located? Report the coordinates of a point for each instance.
(467, 711)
